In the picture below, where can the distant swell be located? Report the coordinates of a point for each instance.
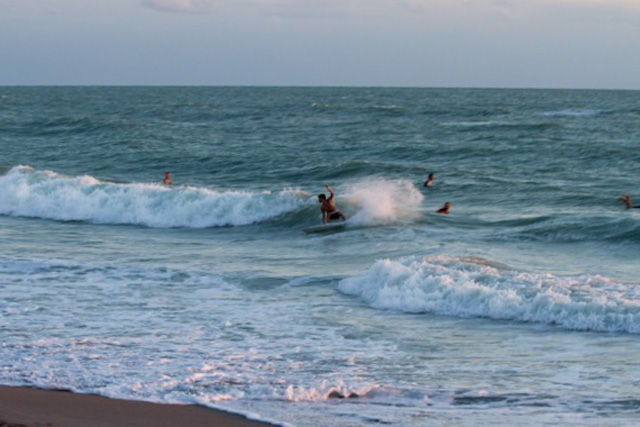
(44, 194)
(467, 287)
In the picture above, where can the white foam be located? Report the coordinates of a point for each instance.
(467, 288)
(380, 201)
(327, 390)
(575, 112)
(46, 194)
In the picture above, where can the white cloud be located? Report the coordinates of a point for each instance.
(178, 5)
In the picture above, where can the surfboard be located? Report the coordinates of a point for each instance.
(323, 228)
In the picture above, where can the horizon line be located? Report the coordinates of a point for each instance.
(33, 85)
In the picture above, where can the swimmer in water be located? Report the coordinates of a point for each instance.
(328, 207)
(167, 178)
(627, 201)
(429, 182)
(444, 209)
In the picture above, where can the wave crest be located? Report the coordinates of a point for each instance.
(49, 195)
(467, 287)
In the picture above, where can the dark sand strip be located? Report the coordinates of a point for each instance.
(21, 406)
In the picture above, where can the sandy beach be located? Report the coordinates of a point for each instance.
(39, 408)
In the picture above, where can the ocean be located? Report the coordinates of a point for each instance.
(520, 307)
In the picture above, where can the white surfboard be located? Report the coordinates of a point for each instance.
(323, 228)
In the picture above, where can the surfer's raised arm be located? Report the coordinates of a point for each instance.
(330, 192)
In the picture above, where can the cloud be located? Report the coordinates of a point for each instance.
(184, 6)
(474, 13)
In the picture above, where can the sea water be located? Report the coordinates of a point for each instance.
(522, 306)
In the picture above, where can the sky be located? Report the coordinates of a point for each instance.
(591, 44)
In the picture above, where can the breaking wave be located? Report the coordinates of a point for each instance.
(45, 194)
(471, 287)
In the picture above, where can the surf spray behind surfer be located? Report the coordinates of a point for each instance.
(328, 207)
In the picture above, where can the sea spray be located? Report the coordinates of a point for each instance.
(379, 201)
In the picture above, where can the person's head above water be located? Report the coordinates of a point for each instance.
(445, 209)
(429, 181)
(627, 201)
(167, 178)
(322, 197)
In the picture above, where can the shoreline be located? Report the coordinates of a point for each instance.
(32, 407)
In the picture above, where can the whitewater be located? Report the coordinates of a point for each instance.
(522, 306)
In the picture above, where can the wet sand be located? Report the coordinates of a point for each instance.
(21, 406)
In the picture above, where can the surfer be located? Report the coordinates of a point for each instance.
(429, 182)
(445, 209)
(328, 207)
(167, 178)
(627, 201)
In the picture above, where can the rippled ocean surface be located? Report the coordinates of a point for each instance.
(522, 306)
